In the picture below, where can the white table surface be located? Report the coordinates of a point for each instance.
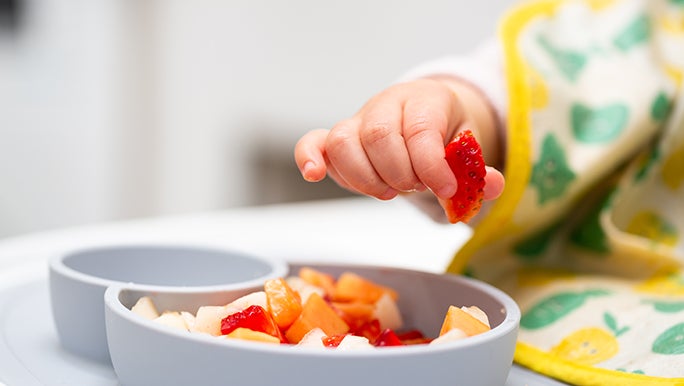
(354, 230)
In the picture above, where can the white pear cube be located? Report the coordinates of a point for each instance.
(387, 312)
(353, 342)
(453, 335)
(145, 307)
(173, 320)
(303, 288)
(313, 338)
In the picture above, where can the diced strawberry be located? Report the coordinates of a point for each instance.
(465, 159)
(413, 337)
(369, 330)
(387, 338)
(410, 335)
(333, 341)
(255, 318)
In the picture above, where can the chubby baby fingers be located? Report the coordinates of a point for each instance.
(309, 155)
(347, 155)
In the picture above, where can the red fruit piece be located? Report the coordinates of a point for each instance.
(369, 330)
(464, 157)
(255, 318)
(333, 341)
(388, 338)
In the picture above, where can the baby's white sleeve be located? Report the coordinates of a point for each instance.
(483, 68)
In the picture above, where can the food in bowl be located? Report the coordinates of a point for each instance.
(316, 309)
(146, 353)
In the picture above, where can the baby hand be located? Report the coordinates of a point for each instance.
(394, 144)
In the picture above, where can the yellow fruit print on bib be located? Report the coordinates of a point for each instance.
(587, 346)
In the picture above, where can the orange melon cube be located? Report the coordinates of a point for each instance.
(284, 303)
(318, 279)
(257, 336)
(354, 313)
(316, 313)
(352, 287)
(457, 318)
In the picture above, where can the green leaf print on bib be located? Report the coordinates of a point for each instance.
(638, 31)
(534, 246)
(598, 125)
(666, 307)
(589, 233)
(671, 341)
(551, 174)
(660, 108)
(612, 324)
(569, 63)
(555, 307)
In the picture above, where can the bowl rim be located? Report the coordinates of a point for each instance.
(57, 266)
(510, 324)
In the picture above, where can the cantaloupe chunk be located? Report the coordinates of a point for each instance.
(477, 313)
(457, 318)
(353, 287)
(316, 313)
(357, 311)
(284, 303)
(247, 334)
(318, 279)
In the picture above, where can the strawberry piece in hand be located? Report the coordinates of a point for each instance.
(465, 159)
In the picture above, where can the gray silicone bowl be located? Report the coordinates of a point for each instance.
(145, 353)
(78, 280)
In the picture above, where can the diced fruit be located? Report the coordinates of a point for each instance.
(457, 318)
(465, 159)
(303, 288)
(189, 320)
(313, 338)
(354, 313)
(316, 313)
(351, 313)
(247, 334)
(257, 298)
(333, 341)
(410, 335)
(387, 313)
(172, 319)
(413, 337)
(370, 330)
(388, 338)
(145, 308)
(208, 319)
(350, 342)
(255, 318)
(318, 279)
(450, 336)
(352, 287)
(283, 303)
(477, 313)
